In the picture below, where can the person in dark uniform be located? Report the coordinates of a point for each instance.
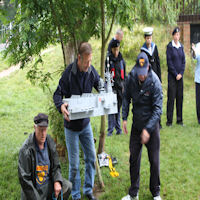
(176, 66)
(144, 90)
(151, 50)
(118, 36)
(118, 70)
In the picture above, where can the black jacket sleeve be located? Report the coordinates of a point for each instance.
(62, 90)
(158, 63)
(25, 175)
(183, 62)
(157, 98)
(126, 99)
(171, 68)
(96, 79)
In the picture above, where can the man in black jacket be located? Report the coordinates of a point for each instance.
(78, 78)
(39, 168)
(144, 89)
(117, 67)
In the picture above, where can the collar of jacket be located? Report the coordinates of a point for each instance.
(176, 46)
(145, 49)
(75, 66)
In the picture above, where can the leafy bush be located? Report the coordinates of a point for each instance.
(56, 122)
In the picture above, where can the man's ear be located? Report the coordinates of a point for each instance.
(79, 57)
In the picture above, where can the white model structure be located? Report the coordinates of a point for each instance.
(90, 105)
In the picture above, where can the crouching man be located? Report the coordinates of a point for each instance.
(39, 168)
(143, 88)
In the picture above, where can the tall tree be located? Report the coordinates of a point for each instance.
(111, 11)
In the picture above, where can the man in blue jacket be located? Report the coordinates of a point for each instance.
(144, 89)
(79, 77)
(176, 68)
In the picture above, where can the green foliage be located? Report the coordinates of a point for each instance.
(7, 11)
(56, 122)
(156, 11)
(37, 24)
(179, 156)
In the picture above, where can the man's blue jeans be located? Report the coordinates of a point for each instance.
(87, 143)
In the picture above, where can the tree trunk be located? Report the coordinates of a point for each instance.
(102, 131)
(103, 48)
(57, 24)
(69, 53)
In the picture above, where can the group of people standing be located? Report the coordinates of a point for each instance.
(39, 168)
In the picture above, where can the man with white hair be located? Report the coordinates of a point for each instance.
(196, 55)
(118, 36)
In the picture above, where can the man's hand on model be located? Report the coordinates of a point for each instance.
(125, 127)
(57, 188)
(65, 111)
(145, 136)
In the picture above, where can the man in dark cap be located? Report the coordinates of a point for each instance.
(143, 89)
(39, 168)
(176, 67)
(117, 67)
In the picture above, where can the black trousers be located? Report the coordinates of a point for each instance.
(198, 101)
(153, 148)
(175, 91)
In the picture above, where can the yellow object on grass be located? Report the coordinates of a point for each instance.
(113, 172)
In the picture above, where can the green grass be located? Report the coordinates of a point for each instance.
(4, 64)
(179, 155)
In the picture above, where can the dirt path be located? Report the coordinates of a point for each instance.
(11, 69)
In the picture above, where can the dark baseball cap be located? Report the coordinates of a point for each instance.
(176, 30)
(41, 120)
(115, 43)
(142, 64)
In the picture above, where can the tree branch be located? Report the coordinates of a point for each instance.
(112, 23)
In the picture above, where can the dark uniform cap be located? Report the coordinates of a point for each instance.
(176, 30)
(41, 120)
(115, 43)
(142, 64)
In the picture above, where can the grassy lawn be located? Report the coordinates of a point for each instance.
(179, 155)
(3, 63)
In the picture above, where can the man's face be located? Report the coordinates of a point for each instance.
(119, 37)
(176, 36)
(142, 78)
(148, 39)
(115, 51)
(84, 62)
(40, 134)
